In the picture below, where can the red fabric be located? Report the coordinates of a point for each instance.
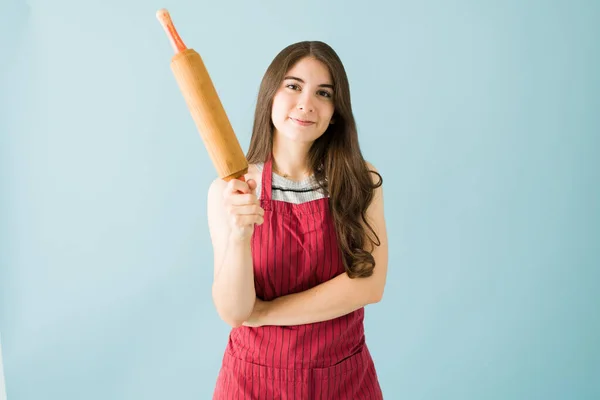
(294, 250)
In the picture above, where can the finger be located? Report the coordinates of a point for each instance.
(241, 199)
(245, 220)
(253, 209)
(252, 184)
(236, 186)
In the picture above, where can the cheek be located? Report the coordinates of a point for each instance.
(328, 112)
(279, 110)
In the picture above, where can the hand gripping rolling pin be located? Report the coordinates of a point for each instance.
(205, 106)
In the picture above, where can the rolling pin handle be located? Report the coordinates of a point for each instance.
(165, 20)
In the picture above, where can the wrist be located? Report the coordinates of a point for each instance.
(237, 238)
(264, 309)
(262, 312)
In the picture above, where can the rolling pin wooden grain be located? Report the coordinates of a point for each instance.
(205, 106)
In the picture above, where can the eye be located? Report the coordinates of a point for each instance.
(292, 86)
(325, 93)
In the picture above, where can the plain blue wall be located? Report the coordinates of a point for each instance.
(483, 118)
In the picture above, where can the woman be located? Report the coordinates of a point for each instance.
(300, 247)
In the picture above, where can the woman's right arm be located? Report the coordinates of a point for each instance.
(233, 209)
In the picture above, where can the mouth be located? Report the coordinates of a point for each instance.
(302, 122)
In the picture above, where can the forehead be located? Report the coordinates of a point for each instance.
(311, 69)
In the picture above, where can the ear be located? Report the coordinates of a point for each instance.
(332, 121)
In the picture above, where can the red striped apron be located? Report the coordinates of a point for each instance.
(294, 250)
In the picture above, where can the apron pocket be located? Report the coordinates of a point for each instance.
(358, 361)
(251, 370)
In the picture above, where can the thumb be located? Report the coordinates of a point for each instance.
(251, 184)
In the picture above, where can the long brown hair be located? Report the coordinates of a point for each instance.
(335, 157)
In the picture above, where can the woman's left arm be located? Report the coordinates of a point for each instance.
(336, 297)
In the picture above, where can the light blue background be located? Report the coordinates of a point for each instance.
(483, 118)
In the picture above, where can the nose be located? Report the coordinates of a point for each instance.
(305, 103)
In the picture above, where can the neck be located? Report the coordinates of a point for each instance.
(290, 159)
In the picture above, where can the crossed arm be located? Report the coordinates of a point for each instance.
(336, 297)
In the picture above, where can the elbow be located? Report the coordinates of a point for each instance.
(376, 298)
(233, 319)
(234, 323)
(234, 313)
(377, 287)
(376, 295)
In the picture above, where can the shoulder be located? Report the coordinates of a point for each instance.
(370, 166)
(375, 174)
(377, 179)
(254, 172)
(215, 190)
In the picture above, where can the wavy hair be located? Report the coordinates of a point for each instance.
(335, 157)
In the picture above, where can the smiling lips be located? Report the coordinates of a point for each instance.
(302, 122)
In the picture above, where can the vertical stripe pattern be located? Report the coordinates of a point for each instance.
(294, 250)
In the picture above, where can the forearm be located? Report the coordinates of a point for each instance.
(233, 288)
(338, 296)
(332, 299)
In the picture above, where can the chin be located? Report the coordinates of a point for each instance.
(299, 137)
(298, 134)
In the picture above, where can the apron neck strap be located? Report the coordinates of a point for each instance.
(267, 179)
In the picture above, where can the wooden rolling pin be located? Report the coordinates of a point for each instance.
(205, 106)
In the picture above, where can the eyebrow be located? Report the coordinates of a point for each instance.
(326, 85)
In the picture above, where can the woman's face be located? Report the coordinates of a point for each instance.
(303, 105)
